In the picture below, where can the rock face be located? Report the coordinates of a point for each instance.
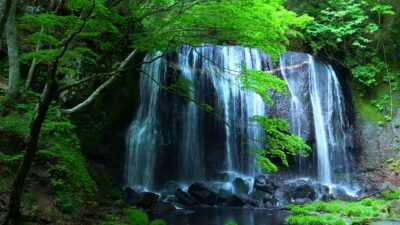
(374, 144)
(203, 193)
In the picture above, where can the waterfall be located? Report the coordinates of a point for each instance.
(197, 145)
(171, 139)
(142, 134)
(315, 86)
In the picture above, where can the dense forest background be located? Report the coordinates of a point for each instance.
(64, 66)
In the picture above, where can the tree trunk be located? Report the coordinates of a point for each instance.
(4, 15)
(33, 65)
(12, 45)
(14, 203)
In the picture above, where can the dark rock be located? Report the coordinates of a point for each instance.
(130, 196)
(184, 198)
(304, 191)
(170, 188)
(240, 186)
(327, 197)
(282, 196)
(321, 189)
(341, 194)
(147, 199)
(264, 183)
(227, 198)
(162, 207)
(203, 194)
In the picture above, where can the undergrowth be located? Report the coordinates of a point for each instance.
(59, 153)
(132, 217)
(343, 213)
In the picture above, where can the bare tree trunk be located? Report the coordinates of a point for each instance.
(14, 204)
(33, 65)
(12, 45)
(4, 15)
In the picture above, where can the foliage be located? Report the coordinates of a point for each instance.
(340, 212)
(350, 28)
(132, 216)
(277, 141)
(252, 23)
(59, 153)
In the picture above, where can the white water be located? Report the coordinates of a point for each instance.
(172, 139)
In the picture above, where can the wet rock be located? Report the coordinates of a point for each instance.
(147, 199)
(282, 196)
(328, 197)
(321, 189)
(203, 194)
(341, 194)
(185, 198)
(304, 191)
(162, 207)
(227, 198)
(170, 188)
(130, 196)
(265, 184)
(240, 186)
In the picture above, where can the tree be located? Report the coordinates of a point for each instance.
(13, 52)
(4, 15)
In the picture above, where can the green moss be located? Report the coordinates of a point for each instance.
(135, 217)
(132, 216)
(340, 212)
(391, 195)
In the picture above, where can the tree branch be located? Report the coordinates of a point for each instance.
(93, 96)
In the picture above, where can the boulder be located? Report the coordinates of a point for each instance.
(147, 199)
(185, 198)
(240, 186)
(321, 189)
(265, 184)
(341, 194)
(130, 196)
(304, 191)
(226, 198)
(282, 197)
(203, 194)
(170, 188)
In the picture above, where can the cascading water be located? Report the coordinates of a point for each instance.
(202, 145)
(322, 94)
(174, 140)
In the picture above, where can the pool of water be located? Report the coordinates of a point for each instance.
(223, 215)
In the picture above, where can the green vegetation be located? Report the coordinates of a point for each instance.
(59, 155)
(133, 217)
(340, 212)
